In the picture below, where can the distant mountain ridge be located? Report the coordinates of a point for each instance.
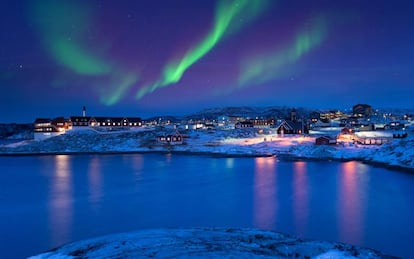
(250, 112)
(239, 111)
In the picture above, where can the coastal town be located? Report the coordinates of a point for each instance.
(361, 133)
(362, 125)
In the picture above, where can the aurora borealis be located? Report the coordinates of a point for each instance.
(146, 57)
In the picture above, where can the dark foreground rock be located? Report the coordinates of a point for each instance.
(207, 242)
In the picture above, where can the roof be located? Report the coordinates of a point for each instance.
(170, 133)
(42, 120)
(326, 137)
(58, 119)
(101, 119)
(245, 123)
(291, 125)
(134, 119)
(80, 118)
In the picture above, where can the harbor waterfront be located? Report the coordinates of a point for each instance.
(47, 201)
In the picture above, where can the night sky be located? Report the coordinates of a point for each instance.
(143, 58)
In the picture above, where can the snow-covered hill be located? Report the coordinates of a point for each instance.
(242, 142)
(207, 243)
(16, 131)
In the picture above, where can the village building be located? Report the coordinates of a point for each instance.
(314, 117)
(292, 126)
(408, 117)
(399, 134)
(395, 125)
(244, 125)
(350, 122)
(133, 121)
(346, 135)
(193, 126)
(366, 127)
(171, 139)
(263, 123)
(223, 121)
(46, 128)
(362, 110)
(325, 140)
(80, 121)
(228, 122)
(96, 121)
(320, 124)
(330, 115)
(88, 121)
(372, 141)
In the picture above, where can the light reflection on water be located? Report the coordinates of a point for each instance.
(229, 163)
(95, 182)
(265, 203)
(60, 201)
(79, 197)
(351, 202)
(300, 197)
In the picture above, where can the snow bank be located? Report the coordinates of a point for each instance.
(243, 142)
(207, 243)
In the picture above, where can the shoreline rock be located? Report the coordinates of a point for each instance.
(207, 242)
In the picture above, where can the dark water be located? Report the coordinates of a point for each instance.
(46, 201)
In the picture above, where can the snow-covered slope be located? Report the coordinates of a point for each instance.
(242, 142)
(207, 243)
(16, 131)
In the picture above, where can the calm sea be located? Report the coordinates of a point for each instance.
(47, 201)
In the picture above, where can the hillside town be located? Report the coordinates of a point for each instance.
(362, 125)
(361, 133)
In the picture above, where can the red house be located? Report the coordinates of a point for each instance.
(325, 140)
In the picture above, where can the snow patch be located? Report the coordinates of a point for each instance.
(239, 142)
(207, 242)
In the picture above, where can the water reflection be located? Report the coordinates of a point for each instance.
(137, 162)
(350, 206)
(229, 163)
(168, 158)
(60, 202)
(265, 193)
(342, 201)
(95, 182)
(300, 197)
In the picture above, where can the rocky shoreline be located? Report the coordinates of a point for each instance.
(207, 242)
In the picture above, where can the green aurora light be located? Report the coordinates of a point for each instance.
(124, 82)
(227, 13)
(268, 66)
(62, 24)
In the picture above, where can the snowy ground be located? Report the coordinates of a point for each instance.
(207, 243)
(398, 153)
